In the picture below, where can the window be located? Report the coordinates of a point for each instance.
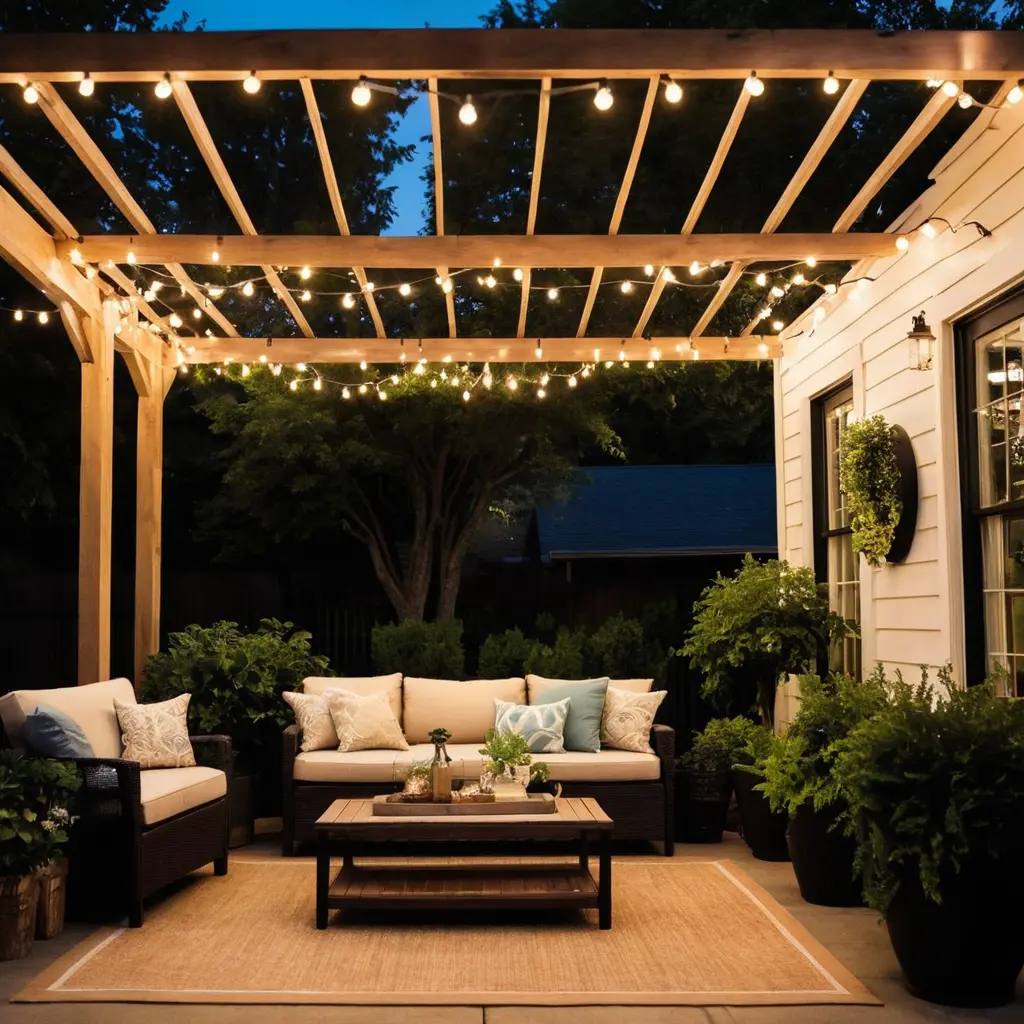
(834, 557)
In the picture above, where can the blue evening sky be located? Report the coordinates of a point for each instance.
(264, 14)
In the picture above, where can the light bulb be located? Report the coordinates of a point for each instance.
(819, 314)
(518, 273)
(777, 291)
(19, 315)
(902, 243)
(345, 393)
(467, 112)
(163, 87)
(626, 287)
(347, 301)
(276, 369)
(964, 101)
(696, 354)
(174, 320)
(762, 349)
(394, 378)
(361, 93)
(622, 355)
(252, 84)
(573, 382)
(306, 295)
(650, 364)
(86, 87)
(362, 365)
(382, 395)
(694, 268)
(197, 313)
(490, 280)
(318, 384)
(673, 91)
(811, 261)
(538, 351)
(130, 258)
(293, 385)
(405, 289)
(247, 289)
(753, 84)
(446, 285)
(552, 294)
(831, 85)
(433, 383)
(155, 286)
(465, 396)
(30, 94)
(512, 384)
(215, 256)
(762, 280)
(933, 83)
(1016, 94)
(369, 286)
(603, 98)
(951, 89)
(649, 269)
(928, 229)
(541, 393)
(765, 313)
(305, 273)
(301, 367)
(497, 261)
(585, 373)
(149, 295)
(597, 355)
(777, 325)
(831, 288)
(245, 369)
(798, 278)
(667, 274)
(418, 370)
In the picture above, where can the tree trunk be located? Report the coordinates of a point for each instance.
(452, 557)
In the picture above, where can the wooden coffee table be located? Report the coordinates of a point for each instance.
(507, 886)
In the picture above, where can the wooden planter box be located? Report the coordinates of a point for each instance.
(53, 891)
(17, 914)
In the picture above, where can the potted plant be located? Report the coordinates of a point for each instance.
(753, 629)
(703, 783)
(870, 478)
(510, 762)
(936, 784)
(34, 822)
(236, 680)
(763, 829)
(799, 779)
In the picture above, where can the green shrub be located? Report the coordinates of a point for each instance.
(236, 679)
(561, 660)
(717, 747)
(503, 655)
(621, 650)
(415, 648)
(870, 477)
(936, 782)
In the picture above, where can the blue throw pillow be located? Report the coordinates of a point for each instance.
(51, 733)
(583, 726)
(541, 725)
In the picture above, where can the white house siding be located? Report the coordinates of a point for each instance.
(912, 613)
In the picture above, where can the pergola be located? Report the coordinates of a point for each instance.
(104, 311)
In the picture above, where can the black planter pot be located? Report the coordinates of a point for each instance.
(702, 802)
(967, 950)
(823, 858)
(241, 811)
(762, 830)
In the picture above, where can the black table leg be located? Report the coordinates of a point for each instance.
(584, 852)
(323, 877)
(604, 883)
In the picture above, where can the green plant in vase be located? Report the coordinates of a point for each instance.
(509, 759)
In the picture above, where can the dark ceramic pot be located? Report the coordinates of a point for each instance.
(762, 830)
(823, 857)
(701, 804)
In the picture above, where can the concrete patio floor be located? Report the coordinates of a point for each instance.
(854, 936)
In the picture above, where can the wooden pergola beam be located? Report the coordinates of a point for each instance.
(543, 113)
(16, 175)
(435, 133)
(623, 197)
(480, 250)
(510, 53)
(334, 194)
(477, 350)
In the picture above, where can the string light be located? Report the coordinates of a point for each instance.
(1016, 94)
(831, 288)
(777, 325)
(929, 230)
(318, 384)
(811, 261)
(446, 285)
(346, 394)
(518, 273)
(252, 84)
(248, 290)
(76, 257)
(305, 273)
(951, 89)
(197, 313)
(382, 394)
(694, 269)
(696, 354)
(626, 287)
(86, 87)
(467, 112)
(163, 87)
(512, 384)
(362, 364)
(573, 382)
(668, 275)
(964, 101)
(263, 359)
(831, 85)
(30, 94)
(902, 243)
(649, 269)
(149, 295)
(215, 256)
(673, 91)
(798, 278)
(541, 393)
(553, 294)
(753, 84)
(19, 315)
(245, 369)
(762, 349)
(777, 291)
(539, 351)
(465, 396)
(622, 355)
(306, 296)
(361, 93)
(585, 372)
(174, 320)
(293, 385)
(603, 98)
(933, 83)
(405, 290)
(761, 279)
(490, 280)
(347, 301)
(301, 367)
(130, 258)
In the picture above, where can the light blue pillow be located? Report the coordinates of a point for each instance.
(541, 725)
(583, 725)
(48, 732)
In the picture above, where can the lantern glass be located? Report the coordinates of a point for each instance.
(921, 350)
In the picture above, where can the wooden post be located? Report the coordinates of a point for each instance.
(95, 499)
(149, 458)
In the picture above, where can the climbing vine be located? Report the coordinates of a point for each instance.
(870, 478)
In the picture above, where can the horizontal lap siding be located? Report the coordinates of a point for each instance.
(909, 619)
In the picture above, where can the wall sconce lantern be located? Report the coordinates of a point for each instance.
(921, 343)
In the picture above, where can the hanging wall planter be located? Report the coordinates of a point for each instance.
(878, 475)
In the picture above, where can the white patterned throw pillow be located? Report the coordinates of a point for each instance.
(313, 717)
(364, 722)
(627, 719)
(541, 725)
(156, 735)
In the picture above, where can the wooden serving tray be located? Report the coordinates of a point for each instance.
(541, 803)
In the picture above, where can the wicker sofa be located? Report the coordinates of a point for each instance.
(634, 788)
(138, 830)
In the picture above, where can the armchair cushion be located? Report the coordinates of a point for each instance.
(90, 706)
(50, 733)
(166, 792)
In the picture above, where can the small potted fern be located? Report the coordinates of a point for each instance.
(509, 760)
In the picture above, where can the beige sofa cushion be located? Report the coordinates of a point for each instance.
(170, 791)
(386, 766)
(91, 706)
(364, 686)
(466, 709)
(539, 685)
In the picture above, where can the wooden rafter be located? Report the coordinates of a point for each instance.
(74, 134)
(208, 148)
(697, 206)
(15, 174)
(543, 112)
(331, 181)
(510, 53)
(477, 350)
(622, 197)
(481, 250)
(435, 132)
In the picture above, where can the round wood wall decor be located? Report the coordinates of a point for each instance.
(907, 464)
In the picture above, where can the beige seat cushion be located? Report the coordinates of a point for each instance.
(539, 685)
(91, 706)
(170, 791)
(364, 686)
(466, 709)
(386, 766)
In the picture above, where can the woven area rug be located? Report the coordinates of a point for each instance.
(684, 933)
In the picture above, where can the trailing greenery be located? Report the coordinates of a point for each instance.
(799, 766)
(870, 478)
(35, 816)
(417, 648)
(717, 747)
(507, 750)
(236, 679)
(936, 783)
(751, 629)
